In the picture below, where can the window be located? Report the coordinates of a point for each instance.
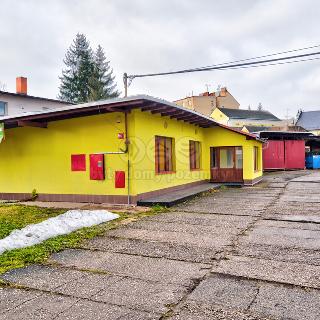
(213, 158)
(164, 154)
(3, 108)
(194, 154)
(256, 158)
(226, 158)
(239, 158)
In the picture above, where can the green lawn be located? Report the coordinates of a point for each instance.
(18, 216)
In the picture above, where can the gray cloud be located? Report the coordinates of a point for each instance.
(147, 36)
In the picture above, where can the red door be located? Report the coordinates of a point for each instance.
(96, 167)
(294, 154)
(226, 164)
(273, 155)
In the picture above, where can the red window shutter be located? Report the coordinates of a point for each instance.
(120, 179)
(78, 162)
(96, 167)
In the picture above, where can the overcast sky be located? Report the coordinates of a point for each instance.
(142, 36)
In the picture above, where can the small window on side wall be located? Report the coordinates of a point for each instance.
(194, 155)
(256, 158)
(164, 154)
(3, 108)
(78, 162)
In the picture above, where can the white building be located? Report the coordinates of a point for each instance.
(20, 102)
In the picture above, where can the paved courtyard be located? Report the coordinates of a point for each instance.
(240, 253)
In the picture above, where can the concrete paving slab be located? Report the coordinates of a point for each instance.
(202, 311)
(291, 222)
(142, 295)
(45, 306)
(268, 300)
(210, 209)
(292, 208)
(11, 298)
(273, 252)
(145, 268)
(300, 274)
(84, 310)
(277, 185)
(115, 290)
(202, 219)
(282, 237)
(287, 302)
(154, 249)
(41, 277)
(216, 241)
(182, 227)
(220, 290)
(124, 291)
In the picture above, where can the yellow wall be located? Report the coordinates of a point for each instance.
(254, 123)
(147, 126)
(219, 137)
(35, 158)
(219, 116)
(315, 132)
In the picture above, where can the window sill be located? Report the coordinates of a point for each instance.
(196, 169)
(165, 172)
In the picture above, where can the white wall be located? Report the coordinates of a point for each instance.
(18, 104)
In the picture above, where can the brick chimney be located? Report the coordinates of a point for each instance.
(223, 92)
(22, 85)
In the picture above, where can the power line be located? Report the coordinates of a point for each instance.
(265, 56)
(234, 64)
(271, 64)
(223, 66)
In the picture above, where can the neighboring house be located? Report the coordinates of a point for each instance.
(206, 102)
(283, 126)
(239, 118)
(309, 120)
(121, 150)
(21, 102)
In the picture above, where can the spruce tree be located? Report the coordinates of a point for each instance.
(101, 82)
(79, 63)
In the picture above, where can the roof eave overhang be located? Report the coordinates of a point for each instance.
(144, 103)
(154, 107)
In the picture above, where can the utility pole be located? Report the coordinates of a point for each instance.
(125, 82)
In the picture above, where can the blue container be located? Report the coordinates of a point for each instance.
(313, 161)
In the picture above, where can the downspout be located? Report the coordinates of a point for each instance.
(127, 142)
(126, 150)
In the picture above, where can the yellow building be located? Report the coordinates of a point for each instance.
(239, 118)
(119, 151)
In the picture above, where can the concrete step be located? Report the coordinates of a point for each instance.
(171, 198)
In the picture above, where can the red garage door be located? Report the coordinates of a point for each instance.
(273, 155)
(294, 154)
